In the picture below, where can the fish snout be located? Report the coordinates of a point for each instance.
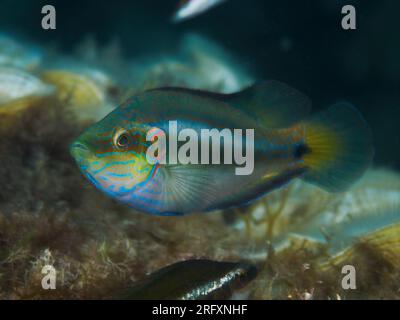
(80, 152)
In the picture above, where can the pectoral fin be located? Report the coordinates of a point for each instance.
(188, 188)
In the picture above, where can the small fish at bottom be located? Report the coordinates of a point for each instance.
(192, 280)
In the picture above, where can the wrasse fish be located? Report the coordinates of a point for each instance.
(192, 8)
(192, 280)
(331, 149)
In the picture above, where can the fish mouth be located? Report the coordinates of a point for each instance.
(83, 156)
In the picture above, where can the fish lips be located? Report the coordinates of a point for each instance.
(82, 155)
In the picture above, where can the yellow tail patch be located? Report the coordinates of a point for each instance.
(340, 147)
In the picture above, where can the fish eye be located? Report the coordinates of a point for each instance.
(121, 139)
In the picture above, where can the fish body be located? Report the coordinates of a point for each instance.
(282, 148)
(192, 8)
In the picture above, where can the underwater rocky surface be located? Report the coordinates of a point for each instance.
(298, 238)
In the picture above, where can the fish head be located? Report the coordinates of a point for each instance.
(112, 155)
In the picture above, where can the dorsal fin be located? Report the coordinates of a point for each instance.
(272, 103)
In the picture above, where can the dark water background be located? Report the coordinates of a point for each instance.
(298, 42)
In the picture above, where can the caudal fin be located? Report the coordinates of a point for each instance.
(339, 144)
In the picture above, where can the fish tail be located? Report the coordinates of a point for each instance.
(339, 147)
